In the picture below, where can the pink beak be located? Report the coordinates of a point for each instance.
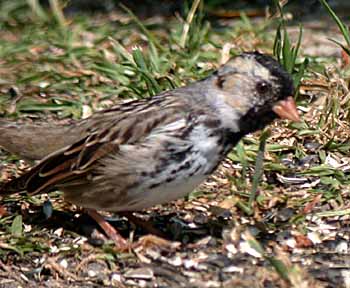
(286, 109)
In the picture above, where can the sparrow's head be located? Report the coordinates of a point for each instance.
(256, 89)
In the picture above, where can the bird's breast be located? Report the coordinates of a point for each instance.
(181, 171)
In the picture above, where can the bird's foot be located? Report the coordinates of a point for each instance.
(111, 232)
(150, 241)
(156, 239)
(146, 225)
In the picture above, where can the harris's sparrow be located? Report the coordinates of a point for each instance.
(151, 151)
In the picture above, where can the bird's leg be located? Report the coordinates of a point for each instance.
(146, 225)
(112, 233)
(157, 239)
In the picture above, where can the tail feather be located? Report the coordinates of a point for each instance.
(34, 142)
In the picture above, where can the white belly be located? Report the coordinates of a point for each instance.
(163, 194)
(204, 157)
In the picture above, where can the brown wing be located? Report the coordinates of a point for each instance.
(61, 166)
(104, 135)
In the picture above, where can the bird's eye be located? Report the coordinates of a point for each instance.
(263, 87)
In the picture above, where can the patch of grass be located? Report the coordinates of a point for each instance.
(286, 52)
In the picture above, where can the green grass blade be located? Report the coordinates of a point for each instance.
(148, 33)
(258, 166)
(342, 27)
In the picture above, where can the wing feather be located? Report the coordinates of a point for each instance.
(103, 136)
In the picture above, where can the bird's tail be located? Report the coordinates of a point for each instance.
(32, 141)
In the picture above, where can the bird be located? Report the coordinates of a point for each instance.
(151, 151)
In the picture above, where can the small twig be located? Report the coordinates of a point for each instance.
(148, 34)
(279, 12)
(37, 9)
(90, 258)
(51, 263)
(332, 213)
(57, 13)
(11, 274)
(225, 52)
(188, 22)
